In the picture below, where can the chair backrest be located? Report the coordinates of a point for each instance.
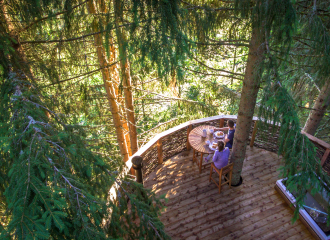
(227, 168)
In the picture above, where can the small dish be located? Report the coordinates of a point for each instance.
(219, 134)
(213, 148)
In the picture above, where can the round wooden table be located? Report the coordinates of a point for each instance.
(198, 142)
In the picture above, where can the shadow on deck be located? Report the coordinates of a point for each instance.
(196, 210)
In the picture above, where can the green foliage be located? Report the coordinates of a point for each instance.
(53, 186)
(301, 168)
(59, 151)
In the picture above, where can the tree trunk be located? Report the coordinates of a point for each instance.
(126, 78)
(114, 73)
(129, 105)
(248, 101)
(321, 104)
(17, 62)
(109, 86)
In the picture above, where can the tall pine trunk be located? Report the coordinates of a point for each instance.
(126, 77)
(321, 104)
(115, 76)
(249, 94)
(110, 87)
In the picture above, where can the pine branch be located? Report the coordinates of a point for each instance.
(73, 39)
(52, 15)
(219, 70)
(82, 75)
(161, 124)
(192, 7)
(212, 74)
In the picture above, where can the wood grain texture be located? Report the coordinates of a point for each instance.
(325, 156)
(196, 210)
(254, 134)
(198, 142)
(160, 151)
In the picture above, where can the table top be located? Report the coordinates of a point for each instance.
(196, 140)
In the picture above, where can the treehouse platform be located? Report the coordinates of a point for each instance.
(196, 210)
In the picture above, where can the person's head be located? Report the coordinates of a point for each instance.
(221, 145)
(230, 123)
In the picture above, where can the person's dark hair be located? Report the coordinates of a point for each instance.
(221, 145)
(230, 123)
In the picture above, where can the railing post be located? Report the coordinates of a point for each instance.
(160, 151)
(325, 156)
(222, 122)
(254, 132)
(188, 131)
(137, 165)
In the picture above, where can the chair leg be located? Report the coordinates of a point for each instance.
(220, 183)
(211, 173)
(201, 163)
(230, 175)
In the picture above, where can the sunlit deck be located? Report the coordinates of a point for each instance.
(196, 210)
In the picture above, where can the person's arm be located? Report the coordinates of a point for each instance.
(215, 156)
(222, 129)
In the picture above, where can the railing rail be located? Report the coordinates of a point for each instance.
(174, 140)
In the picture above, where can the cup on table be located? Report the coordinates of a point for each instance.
(208, 142)
(204, 132)
(211, 131)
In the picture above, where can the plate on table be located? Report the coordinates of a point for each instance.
(219, 134)
(213, 146)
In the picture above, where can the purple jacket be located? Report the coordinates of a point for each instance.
(220, 159)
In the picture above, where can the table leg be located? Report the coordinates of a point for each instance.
(201, 163)
(194, 156)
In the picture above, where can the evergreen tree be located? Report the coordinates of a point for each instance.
(301, 168)
(54, 186)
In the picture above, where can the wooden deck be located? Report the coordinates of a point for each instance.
(196, 210)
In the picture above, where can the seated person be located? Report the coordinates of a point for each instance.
(229, 139)
(220, 157)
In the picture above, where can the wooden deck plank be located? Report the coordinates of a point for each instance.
(209, 199)
(286, 231)
(253, 210)
(188, 211)
(257, 221)
(211, 218)
(193, 184)
(281, 223)
(179, 176)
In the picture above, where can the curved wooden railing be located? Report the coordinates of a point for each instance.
(173, 141)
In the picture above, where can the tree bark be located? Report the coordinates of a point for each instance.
(109, 87)
(126, 79)
(114, 73)
(249, 94)
(321, 104)
(16, 62)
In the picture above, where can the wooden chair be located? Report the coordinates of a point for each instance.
(226, 172)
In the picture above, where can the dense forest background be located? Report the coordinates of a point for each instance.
(84, 84)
